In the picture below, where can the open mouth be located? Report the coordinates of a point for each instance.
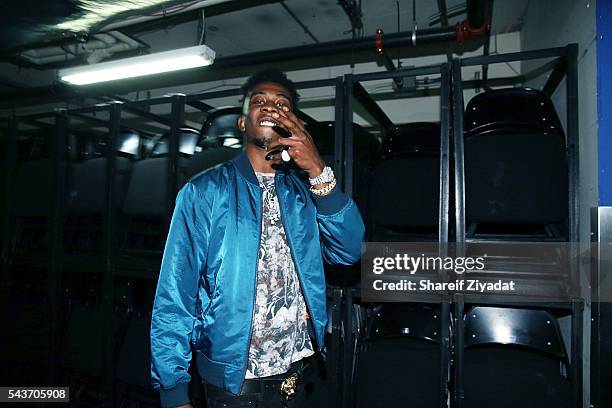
(267, 122)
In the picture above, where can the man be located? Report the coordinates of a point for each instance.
(242, 280)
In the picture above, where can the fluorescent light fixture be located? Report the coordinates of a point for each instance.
(167, 61)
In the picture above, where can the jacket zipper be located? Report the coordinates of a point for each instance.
(246, 362)
(297, 271)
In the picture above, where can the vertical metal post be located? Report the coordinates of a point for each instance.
(459, 349)
(444, 154)
(601, 307)
(348, 351)
(348, 134)
(577, 329)
(177, 120)
(444, 351)
(443, 221)
(596, 339)
(334, 361)
(9, 169)
(339, 132)
(459, 154)
(109, 248)
(571, 84)
(56, 239)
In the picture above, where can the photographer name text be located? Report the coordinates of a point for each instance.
(469, 285)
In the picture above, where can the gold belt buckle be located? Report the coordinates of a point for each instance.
(287, 387)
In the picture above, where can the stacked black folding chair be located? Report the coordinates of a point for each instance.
(510, 351)
(400, 342)
(220, 141)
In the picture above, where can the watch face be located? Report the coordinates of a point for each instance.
(325, 177)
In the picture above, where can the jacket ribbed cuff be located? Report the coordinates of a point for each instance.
(331, 203)
(174, 397)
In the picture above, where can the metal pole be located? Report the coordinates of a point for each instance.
(443, 221)
(348, 134)
(334, 361)
(348, 351)
(444, 351)
(572, 151)
(574, 215)
(577, 372)
(459, 351)
(443, 206)
(109, 248)
(459, 154)
(177, 120)
(56, 236)
(339, 133)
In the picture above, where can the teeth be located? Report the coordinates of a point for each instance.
(267, 123)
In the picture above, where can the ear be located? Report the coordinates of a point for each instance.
(240, 123)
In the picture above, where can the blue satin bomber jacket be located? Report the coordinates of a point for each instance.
(206, 290)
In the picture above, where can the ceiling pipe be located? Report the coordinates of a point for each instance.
(331, 48)
(177, 9)
(281, 55)
(476, 24)
(476, 13)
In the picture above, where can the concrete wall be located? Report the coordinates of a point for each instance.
(554, 23)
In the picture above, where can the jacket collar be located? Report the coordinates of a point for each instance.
(243, 164)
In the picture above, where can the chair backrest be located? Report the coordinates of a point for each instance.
(366, 146)
(404, 320)
(514, 357)
(420, 139)
(188, 140)
(511, 107)
(530, 328)
(403, 348)
(220, 141)
(220, 129)
(146, 192)
(87, 189)
(210, 158)
(405, 189)
(515, 160)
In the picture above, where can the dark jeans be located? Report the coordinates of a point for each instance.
(265, 393)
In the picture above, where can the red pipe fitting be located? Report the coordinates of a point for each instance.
(465, 31)
(379, 42)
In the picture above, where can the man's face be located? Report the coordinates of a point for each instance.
(264, 100)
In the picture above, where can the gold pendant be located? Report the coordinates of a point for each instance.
(288, 386)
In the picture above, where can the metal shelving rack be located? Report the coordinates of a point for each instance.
(348, 90)
(564, 66)
(354, 92)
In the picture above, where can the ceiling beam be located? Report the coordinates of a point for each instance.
(333, 53)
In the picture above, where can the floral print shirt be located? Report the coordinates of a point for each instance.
(280, 332)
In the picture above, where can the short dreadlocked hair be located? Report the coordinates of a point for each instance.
(274, 76)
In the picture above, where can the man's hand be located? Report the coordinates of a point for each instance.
(301, 145)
